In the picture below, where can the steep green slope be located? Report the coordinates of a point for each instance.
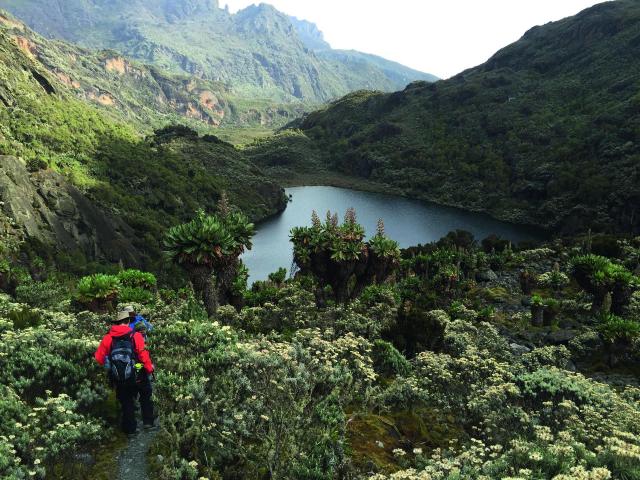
(146, 183)
(546, 132)
(146, 95)
(257, 51)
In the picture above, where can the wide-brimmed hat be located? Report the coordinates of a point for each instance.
(129, 309)
(120, 316)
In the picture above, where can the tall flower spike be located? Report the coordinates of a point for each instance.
(328, 221)
(350, 216)
(334, 220)
(223, 206)
(380, 228)
(315, 220)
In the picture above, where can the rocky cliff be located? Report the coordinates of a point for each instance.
(47, 208)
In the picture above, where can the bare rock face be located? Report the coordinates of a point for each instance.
(48, 208)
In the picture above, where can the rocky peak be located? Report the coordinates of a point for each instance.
(311, 36)
(263, 19)
(175, 10)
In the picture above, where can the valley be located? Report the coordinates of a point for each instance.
(348, 269)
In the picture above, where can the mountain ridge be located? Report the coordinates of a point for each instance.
(145, 94)
(256, 51)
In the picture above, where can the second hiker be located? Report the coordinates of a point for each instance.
(123, 351)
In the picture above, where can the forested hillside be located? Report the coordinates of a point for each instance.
(546, 132)
(66, 158)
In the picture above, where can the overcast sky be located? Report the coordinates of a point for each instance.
(442, 37)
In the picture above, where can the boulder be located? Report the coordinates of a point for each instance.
(561, 337)
(518, 349)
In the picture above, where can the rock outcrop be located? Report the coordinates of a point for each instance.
(49, 209)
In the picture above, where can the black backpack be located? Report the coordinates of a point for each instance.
(122, 359)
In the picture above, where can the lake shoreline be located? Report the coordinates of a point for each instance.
(409, 221)
(330, 179)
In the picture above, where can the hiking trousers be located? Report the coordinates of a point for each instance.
(126, 395)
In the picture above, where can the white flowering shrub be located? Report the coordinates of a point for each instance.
(549, 356)
(256, 405)
(413, 379)
(555, 280)
(536, 255)
(460, 336)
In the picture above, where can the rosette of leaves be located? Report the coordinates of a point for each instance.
(338, 256)
(99, 292)
(210, 244)
(137, 286)
(598, 275)
(619, 334)
(537, 311)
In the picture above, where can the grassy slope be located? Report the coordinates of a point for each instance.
(151, 183)
(546, 132)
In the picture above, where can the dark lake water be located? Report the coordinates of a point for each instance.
(409, 222)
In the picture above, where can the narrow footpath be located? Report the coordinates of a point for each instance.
(132, 463)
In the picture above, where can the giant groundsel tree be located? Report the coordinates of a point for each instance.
(339, 257)
(211, 245)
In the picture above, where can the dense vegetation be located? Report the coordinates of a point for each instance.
(438, 372)
(257, 50)
(509, 137)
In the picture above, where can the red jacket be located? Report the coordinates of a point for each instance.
(138, 344)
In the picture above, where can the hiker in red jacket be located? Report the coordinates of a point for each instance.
(123, 353)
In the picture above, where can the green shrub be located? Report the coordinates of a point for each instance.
(135, 295)
(99, 292)
(554, 384)
(278, 277)
(98, 287)
(537, 301)
(45, 294)
(387, 360)
(25, 318)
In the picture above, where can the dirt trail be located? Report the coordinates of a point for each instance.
(133, 459)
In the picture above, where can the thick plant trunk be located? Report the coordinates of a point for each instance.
(202, 279)
(537, 316)
(224, 283)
